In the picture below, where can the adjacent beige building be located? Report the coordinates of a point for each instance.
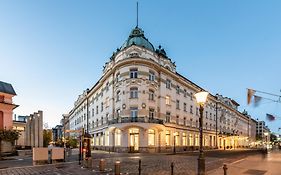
(142, 104)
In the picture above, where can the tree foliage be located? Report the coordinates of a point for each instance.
(9, 135)
(47, 137)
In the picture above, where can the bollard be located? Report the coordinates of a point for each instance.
(140, 167)
(224, 169)
(117, 168)
(172, 168)
(102, 165)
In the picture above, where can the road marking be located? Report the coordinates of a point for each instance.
(236, 161)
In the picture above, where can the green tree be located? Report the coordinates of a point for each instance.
(47, 137)
(72, 142)
(8, 136)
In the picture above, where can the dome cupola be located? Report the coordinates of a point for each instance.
(137, 37)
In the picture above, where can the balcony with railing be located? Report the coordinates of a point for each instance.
(135, 119)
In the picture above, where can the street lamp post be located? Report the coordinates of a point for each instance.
(201, 98)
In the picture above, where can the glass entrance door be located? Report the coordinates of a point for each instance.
(134, 140)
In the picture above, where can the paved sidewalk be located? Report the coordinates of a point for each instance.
(267, 164)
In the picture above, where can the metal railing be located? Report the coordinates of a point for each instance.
(135, 119)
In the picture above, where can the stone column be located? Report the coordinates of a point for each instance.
(32, 130)
(36, 130)
(40, 128)
(27, 132)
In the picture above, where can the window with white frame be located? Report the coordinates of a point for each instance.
(184, 107)
(168, 117)
(134, 112)
(134, 92)
(151, 113)
(178, 89)
(134, 73)
(151, 76)
(184, 94)
(168, 100)
(151, 94)
(177, 104)
(168, 84)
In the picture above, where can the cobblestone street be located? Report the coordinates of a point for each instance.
(158, 164)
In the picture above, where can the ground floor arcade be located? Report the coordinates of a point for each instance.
(147, 137)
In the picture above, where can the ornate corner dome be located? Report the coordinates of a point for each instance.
(137, 38)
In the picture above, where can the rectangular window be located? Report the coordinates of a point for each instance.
(168, 100)
(184, 107)
(134, 92)
(107, 86)
(177, 120)
(118, 96)
(151, 76)
(133, 73)
(97, 109)
(118, 77)
(191, 96)
(134, 112)
(151, 137)
(168, 84)
(191, 140)
(184, 94)
(101, 106)
(177, 104)
(151, 94)
(118, 111)
(151, 113)
(93, 112)
(107, 102)
(168, 138)
(178, 90)
(196, 140)
(184, 121)
(197, 111)
(184, 141)
(168, 117)
(117, 137)
(206, 114)
(191, 109)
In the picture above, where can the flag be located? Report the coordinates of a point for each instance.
(250, 94)
(257, 100)
(270, 117)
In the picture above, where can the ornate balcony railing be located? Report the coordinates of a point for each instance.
(135, 119)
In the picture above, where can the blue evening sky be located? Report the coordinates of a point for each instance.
(51, 51)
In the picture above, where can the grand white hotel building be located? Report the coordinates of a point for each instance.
(142, 104)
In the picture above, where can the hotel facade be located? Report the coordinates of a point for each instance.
(142, 104)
